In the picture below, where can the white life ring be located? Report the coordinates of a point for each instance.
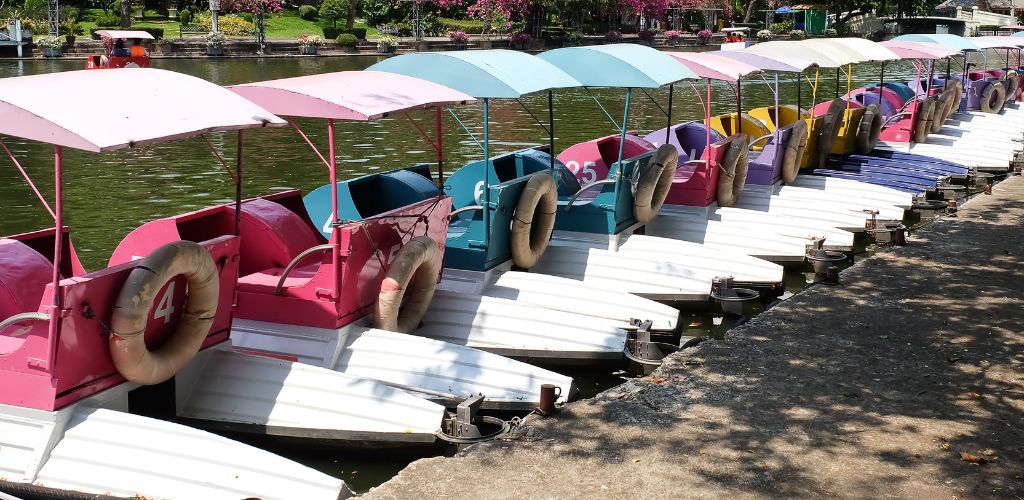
(406, 291)
(533, 220)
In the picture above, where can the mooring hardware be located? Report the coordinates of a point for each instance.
(891, 233)
(729, 297)
(822, 259)
(464, 426)
(933, 205)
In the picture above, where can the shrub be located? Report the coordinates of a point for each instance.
(347, 40)
(228, 24)
(645, 35)
(673, 34)
(109, 19)
(704, 34)
(309, 40)
(387, 41)
(464, 25)
(797, 34)
(332, 33)
(186, 15)
(333, 11)
(831, 33)
(47, 41)
(458, 37)
(612, 36)
(574, 37)
(360, 33)
(308, 12)
(523, 38)
(215, 39)
(765, 35)
(781, 26)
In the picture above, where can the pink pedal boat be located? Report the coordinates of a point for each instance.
(333, 302)
(77, 347)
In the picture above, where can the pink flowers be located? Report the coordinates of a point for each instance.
(252, 6)
(673, 34)
(458, 36)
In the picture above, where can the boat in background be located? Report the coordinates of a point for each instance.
(79, 351)
(120, 54)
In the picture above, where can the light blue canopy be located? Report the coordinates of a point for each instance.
(944, 39)
(627, 65)
(499, 74)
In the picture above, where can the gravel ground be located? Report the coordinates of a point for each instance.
(906, 381)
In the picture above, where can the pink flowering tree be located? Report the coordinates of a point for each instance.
(259, 8)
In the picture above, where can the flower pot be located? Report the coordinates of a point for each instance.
(214, 51)
(166, 48)
(458, 46)
(137, 13)
(70, 39)
(385, 49)
(520, 45)
(307, 50)
(51, 51)
(674, 42)
(702, 41)
(172, 12)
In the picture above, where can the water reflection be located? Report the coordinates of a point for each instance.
(108, 195)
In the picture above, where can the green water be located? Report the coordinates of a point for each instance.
(108, 195)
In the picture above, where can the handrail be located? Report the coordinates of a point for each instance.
(762, 138)
(587, 188)
(17, 318)
(469, 208)
(891, 119)
(298, 258)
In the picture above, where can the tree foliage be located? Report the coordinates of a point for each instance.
(333, 10)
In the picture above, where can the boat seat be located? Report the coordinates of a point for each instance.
(24, 274)
(272, 235)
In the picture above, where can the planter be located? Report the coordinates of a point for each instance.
(702, 41)
(486, 44)
(458, 46)
(51, 52)
(673, 42)
(214, 51)
(137, 13)
(172, 13)
(386, 49)
(166, 48)
(70, 39)
(308, 50)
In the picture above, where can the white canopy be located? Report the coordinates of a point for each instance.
(115, 34)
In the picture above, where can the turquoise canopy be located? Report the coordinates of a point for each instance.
(496, 74)
(944, 39)
(624, 65)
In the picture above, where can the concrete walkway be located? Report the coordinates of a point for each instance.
(897, 384)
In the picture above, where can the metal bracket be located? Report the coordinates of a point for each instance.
(465, 413)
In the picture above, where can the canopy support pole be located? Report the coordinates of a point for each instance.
(881, 82)
(707, 128)
(535, 119)
(58, 247)
(439, 146)
(238, 183)
(668, 122)
(311, 145)
(606, 113)
(931, 74)
(28, 179)
(335, 237)
(776, 92)
(220, 158)
(799, 85)
(917, 107)
(739, 105)
(838, 73)
(465, 128)
(551, 130)
(487, 175)
(622, 144)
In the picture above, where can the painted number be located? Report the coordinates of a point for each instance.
(588, 174)
(166, 308)
(328, 227)
(478, 192)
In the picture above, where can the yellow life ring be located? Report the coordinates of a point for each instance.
(132, 358)
(406, 291)
(654, 183)
(533, 220)
(869, 130)
(734, 173)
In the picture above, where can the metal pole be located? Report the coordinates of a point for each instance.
(881, 82)
(440, 149)
(551, 130)
(238, 184)
(335, 237)
(838, 70)
(487, 175)
(707, 127)
(668, 124)
(739, 105)
(58, 247)
(799, 84)
(622, 144)
(777, 104)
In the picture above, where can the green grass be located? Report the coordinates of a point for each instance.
(285, 25)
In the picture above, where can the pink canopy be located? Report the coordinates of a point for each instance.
(115, 34)
(713, 66)
(919, 50)
(110, 110)
(348, 95)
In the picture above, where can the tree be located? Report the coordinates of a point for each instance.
(126, 13)
(333, 10)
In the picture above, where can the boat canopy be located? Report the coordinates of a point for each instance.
(767, 62)
(944, 39)
(152, 105)
(494, 74)
(713, 66)
(623, 65)
(997, 42)
(919, 50)
(115, 34)
(348, 95)
(868, 50)
(800, 50)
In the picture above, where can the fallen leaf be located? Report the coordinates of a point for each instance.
(636, 460)
(658, 380)
(969, 457)
(702, 451)
(944, 446)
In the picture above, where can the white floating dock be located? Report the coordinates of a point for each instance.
(878, 194)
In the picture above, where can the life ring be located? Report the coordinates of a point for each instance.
(406, 291)
(133, 360)
(654, 182)
(992, 97)
(923, 125)
(958, 94)
(793, 151)
(869, 130)
(533, 220)
(734, 173)
(1012, 80)
(943, 109)
(828, 131)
